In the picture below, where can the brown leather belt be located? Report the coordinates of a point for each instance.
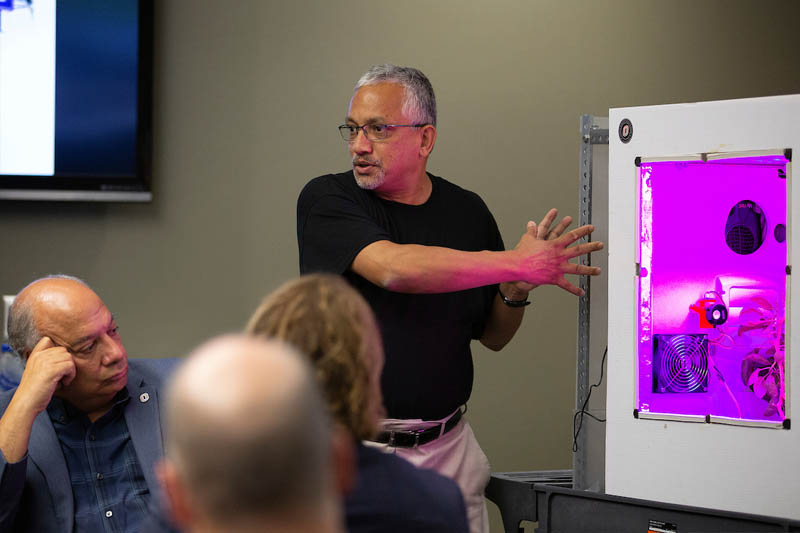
(412, 439)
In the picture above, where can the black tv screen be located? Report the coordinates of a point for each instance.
(75, 99)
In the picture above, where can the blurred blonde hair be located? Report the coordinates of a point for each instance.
(326, 319)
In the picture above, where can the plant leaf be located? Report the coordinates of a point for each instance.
(772, 389)
(760, 391)
(757, 360)
(757, 382)
(762, 302)
(744, 328)
(751, 314)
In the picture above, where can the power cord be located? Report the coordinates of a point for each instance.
(583, 412)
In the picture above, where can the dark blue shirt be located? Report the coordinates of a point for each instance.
(108, 484)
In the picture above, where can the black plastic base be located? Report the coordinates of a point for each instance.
(558, 508)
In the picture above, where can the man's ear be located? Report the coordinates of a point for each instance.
(176, 499)
(343, 456)
(428, 140)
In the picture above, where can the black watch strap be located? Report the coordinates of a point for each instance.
(512, 303)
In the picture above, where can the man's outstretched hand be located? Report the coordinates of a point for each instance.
(544, 254)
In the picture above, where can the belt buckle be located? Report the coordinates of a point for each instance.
(416, 438)
(391, 438)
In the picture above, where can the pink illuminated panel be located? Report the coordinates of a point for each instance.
(712, 288)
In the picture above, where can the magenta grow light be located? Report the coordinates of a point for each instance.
(712, 281)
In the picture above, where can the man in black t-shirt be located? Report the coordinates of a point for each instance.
(428, 257)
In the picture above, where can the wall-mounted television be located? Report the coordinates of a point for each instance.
(76, 100)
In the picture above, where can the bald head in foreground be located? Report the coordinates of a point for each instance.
(248, 444)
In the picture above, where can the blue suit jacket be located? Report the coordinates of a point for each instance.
(36, 493)
(394, 496)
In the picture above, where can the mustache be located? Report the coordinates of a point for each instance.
(366, 161)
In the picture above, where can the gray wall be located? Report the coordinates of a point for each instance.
(248, 95)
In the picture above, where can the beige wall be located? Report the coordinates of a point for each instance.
(248, 95)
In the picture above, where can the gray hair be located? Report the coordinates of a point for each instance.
(22, 331)
(419, 103)
(254, 441)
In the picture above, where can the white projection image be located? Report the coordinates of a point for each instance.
(27, 87)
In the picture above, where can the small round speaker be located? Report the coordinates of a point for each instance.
(625, 130)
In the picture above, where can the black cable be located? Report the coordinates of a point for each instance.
(590, 415)
(583, 411)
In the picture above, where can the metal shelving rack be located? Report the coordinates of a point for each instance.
(588, 462)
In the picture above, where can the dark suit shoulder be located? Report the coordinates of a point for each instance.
(153, 372)
(387, 463)
(393, 495)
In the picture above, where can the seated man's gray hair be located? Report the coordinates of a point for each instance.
(22, 332)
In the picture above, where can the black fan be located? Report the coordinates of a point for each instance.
(680, 363)
(746, 227)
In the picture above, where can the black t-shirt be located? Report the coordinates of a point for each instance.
(428, 371)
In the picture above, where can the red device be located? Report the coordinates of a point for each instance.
(700, 309)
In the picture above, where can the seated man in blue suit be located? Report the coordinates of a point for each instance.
(334, 326)
(80, 435)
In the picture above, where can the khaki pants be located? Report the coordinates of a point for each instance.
(457, 455)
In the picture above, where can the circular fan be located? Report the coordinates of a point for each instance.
(683, 364)
(741, 240)
(745, 229)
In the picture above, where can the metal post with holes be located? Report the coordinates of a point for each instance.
(518, 494)
(589, 456)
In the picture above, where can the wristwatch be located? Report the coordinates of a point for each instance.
(513, 303)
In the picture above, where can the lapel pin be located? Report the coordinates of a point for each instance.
(144, 397)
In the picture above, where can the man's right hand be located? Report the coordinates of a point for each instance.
(49, 366)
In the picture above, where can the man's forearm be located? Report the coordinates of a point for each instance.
(12, 486)
(15, 431)
(413, 268)
(504, 321)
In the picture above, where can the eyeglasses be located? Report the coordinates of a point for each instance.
(373, 132)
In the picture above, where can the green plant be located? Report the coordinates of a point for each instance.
(763, 368)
